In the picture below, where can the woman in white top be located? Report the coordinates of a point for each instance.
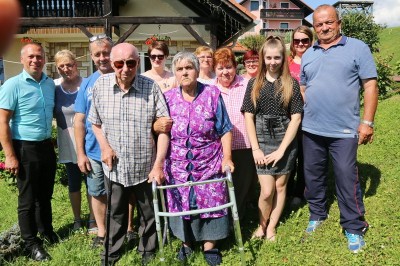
(205, 56)
(158, 53)
(66, 91)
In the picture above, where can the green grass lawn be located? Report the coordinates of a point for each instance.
(389, 39)
(379, 167)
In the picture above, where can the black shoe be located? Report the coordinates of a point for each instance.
(184, 253)
(39, 254)
(147, 257)
(131, 236)
(213, 257)
(51, 237)
(98, 241)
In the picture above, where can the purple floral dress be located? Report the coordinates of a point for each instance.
(195, 151)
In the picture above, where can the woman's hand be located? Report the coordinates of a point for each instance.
(156, 174)
(274, 157)
(227, 162)
(258, 156)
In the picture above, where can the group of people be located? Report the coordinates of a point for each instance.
(123, 130)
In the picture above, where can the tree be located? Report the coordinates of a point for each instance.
(253, 42)
(360, 25)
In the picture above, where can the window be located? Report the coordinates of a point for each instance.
(284, 5)
(254, 5)
(264, 25)
(264, 4)
(284, 25)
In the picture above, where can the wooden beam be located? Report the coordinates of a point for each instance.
(213, 37)
(101, 21)
(84, 30)
(127, 33)
(195, 34)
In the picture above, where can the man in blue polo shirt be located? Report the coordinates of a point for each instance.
(87, 147)
(26, 113)
(332, 73)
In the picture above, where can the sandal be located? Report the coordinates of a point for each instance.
(184, 253)
(92, 230)
(257, 235)
(271, 238)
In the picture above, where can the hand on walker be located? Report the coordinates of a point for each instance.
(156, 174)
(229, 163)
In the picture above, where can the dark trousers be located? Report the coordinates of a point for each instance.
(244, 178)
(35, 181)
(344, 159)
(295, 187)
(119, 218)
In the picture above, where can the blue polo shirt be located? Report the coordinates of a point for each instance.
(82, 105)
(333, 81)
(32, 104)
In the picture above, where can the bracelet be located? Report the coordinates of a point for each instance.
(255, 149)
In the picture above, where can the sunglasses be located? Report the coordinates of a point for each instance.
(129, 63)
(304, 41)
(159, 56)
(99, 37)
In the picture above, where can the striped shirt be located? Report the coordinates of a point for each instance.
(126, 120)
(233, 99)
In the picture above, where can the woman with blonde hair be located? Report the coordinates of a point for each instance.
(205, 56)
(302, 38)
(272, 108)
(66, 91)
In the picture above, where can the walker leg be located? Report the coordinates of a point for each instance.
(158, 226)
(236, 222)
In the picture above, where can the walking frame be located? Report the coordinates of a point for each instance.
(232, 204)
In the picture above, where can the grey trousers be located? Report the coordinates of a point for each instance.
(119, 218)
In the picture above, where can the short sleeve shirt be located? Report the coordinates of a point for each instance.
(126, 120)
(269, 102)
(82, 105)
(332, 78)
(32, 104)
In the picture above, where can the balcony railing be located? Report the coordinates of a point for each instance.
(62, 8)
(281, 13)
(277, 32)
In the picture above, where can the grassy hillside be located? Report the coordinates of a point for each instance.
(390, 38)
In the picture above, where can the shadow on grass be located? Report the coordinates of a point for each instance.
(369, 172)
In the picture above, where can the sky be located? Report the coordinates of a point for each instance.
(385, 11)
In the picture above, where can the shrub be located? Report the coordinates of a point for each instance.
(385, 73)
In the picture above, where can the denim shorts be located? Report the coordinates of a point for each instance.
(95, 179)
(74, 177)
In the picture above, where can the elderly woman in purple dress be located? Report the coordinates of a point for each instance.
(200, 149)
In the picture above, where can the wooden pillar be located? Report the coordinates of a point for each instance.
(213, 36)
(108, 13)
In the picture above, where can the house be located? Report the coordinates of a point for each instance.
(277, 15)
(68, 24)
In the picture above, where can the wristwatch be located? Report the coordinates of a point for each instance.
(368, 123)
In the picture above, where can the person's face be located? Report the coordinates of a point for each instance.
(251, 66)
(205, 59)
(100, 53)
(326, 25)
(225, 73)
(301, 42)
(157, 58)
(273, 59)
(186, 74)
(125, 65)
(67, 68)
(32, 58)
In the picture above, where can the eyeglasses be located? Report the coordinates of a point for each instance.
(159, 56)
(69, 66)
(99, 37)
(248, 62)
(304, 41)
(129, 63)
(205, 57)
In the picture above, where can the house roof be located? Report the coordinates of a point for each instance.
(232, 18)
